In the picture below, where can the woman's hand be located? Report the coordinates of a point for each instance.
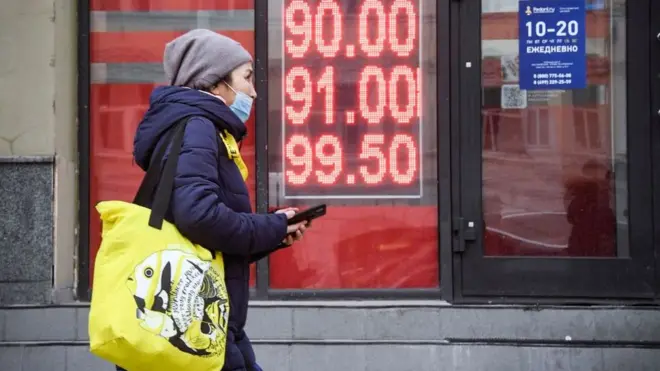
(294, 231)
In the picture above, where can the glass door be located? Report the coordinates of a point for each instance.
(555, 150)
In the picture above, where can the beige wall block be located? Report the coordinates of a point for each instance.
(33, 142)
(38, 116)
(5, 148)
(66, 160)
(12, 9)
(27, 76)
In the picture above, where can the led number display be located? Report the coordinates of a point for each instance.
(351, 99)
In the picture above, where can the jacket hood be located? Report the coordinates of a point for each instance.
(170, 104)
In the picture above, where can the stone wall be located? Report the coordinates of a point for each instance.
(379, 336)
(26, 229)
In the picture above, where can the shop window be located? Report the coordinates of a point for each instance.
(536, 125)
(352, 123)
(127, 43)
(586, 126)
(511, 130)
(549, 155)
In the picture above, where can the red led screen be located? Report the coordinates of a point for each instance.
(351, 100)
(351, 125)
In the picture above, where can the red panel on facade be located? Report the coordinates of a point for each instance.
(146, 47)
(358, 247)
(165, 5)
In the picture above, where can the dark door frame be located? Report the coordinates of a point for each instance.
(83, 290)
(502, 279)
(654, 81)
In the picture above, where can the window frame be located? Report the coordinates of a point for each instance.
(263, 289)
(654, 60)
(448, 30)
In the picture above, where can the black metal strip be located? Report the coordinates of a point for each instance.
(83, 284)
(654, 64)
(457, 21)
(444, 33)
(639, 150)
(261, 128)
(348, 294)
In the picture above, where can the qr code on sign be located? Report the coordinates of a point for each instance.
(513, 97)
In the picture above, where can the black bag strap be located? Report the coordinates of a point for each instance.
(160, 184)
(150, 180)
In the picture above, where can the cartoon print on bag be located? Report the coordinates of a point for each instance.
(183, 299)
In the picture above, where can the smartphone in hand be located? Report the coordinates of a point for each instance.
(309, 214)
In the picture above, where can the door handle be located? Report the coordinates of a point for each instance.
(465, 231)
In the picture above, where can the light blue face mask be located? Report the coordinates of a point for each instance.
(242, 105)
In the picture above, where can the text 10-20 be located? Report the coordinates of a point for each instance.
(562, 29)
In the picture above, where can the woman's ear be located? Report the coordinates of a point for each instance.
(215, 90)
(221, 90)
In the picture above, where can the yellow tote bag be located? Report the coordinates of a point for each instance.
(159, 302)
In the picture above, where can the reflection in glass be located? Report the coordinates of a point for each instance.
(554, 162)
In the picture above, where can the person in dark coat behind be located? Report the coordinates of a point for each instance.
(210, 85)
(593, 221)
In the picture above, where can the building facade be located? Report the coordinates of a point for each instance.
(483, 213)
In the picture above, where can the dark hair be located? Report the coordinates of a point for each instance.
(217, 82)
(226, 79)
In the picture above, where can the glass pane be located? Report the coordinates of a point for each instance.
(127, 43)
(352, 125)
(554, 157)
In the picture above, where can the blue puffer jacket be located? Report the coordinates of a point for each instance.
(210, 203)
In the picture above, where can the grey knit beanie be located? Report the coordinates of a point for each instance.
(200, 58)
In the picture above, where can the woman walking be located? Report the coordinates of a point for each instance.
(210, 80)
